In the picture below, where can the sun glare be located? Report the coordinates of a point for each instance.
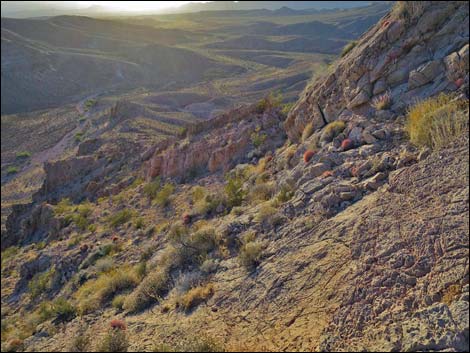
(136, 5)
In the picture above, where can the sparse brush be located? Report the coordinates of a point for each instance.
(149, 291)
(436, 122)
(348, 47)
(250, 254)
(307, 132)
(332, 130)
(408, 10)
(114, 341)
(383, 101)
(195, 296)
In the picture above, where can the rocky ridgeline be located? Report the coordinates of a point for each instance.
(218, 144)
(411, 55)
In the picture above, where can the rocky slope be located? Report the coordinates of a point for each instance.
(359, 244)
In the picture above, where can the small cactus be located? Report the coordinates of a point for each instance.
(308, 155)
(327, 174)
(117, 324)
(347, 144)
(186, 218)
(459, 82)
(382, 102)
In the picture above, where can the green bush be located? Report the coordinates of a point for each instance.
(23, 154)
(163, 196)
(120, 217)
(234, 191)
(41, 282)
(250, 254)
(348, 47)
(151, 189)
(12, 170)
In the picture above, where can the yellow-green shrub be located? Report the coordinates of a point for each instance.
(435, 122)
(97, 292)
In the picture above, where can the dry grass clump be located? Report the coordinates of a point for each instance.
(149, 291)
(97, 292)
(307, 132)
(436, 122)
(250, 254)
(115, 339)
(451, 293)
(332, 130)
(195, 296)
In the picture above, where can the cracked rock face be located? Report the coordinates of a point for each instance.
(413, 59)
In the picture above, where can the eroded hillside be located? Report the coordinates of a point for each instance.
(340, 226)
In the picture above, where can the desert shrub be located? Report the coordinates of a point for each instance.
(149, 291)
(210, 203)
(261, 192)
(348, 47)
(191, 343)
(195, 296)
(197, 193)
(209, 266)
(451, 293)
(79, 136)
(120, 217)
(234, 191)
(80, 342)
(286, 108)
(97, 292)
(271, 101)
(14, 345)
(64, 205)
(408, 10)
(258, 139)
(382, 102)
(23, 154)
(332, 130)
(8, 253)
(63, 310)
(104, 264)
(436, 122)
(250, 254)
(308, 155)
(307, 132)
(118, 301)
(194, 247)
(151, 189)
(41, 282)
(285, 193)
(115, 340)
(139, 223)
(12, 170)
(267, 215)
(163, 196)
(102, 251)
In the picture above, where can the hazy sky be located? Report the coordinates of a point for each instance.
(135, 5)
